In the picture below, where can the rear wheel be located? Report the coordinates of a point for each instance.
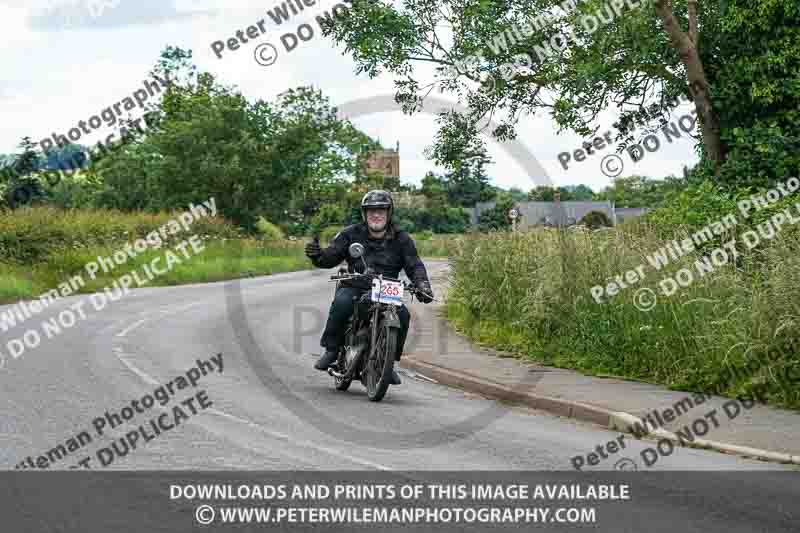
(380, 366)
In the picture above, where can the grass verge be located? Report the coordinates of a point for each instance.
(731, 332)
(218, 261)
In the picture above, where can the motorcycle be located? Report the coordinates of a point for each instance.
(372, 332)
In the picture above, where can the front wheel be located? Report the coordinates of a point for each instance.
(380, 365)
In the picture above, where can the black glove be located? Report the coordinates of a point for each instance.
(313, 250)
(424, 292)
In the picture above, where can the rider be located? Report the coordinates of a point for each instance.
(387, 250)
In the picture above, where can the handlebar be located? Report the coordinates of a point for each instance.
(371, 275)
(410, 287)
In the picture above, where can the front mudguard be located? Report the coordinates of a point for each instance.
(390, 318)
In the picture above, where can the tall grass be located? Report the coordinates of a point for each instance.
(531, 293)
(41, 248)
(32, 234)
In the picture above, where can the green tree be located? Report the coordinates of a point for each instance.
(541, 193)
(517, 194)
(23, 186)
(467, 183)
(257, 159)
(27, 162)
(496, 218)
(640, 191)
(580, 193)
(736, 60)
(569, 193)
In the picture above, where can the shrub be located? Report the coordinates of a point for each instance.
(327, 234)
(268, 231)
(329, 215)
(437, 220)
(496, 218)
(72, 191)
(595, 220)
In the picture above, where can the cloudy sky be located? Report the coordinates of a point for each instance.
(66, 60)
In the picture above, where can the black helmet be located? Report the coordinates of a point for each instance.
(377, 199)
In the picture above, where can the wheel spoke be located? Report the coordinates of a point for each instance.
(375, 370)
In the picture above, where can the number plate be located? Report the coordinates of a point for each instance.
(387, 292)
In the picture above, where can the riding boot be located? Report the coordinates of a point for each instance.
(330, 357)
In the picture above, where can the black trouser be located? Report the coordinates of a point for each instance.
(342, 309)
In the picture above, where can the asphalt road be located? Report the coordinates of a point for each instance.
(271, 411)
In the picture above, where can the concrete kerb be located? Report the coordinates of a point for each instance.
(491, 389)
(622, 421)
(614, 420)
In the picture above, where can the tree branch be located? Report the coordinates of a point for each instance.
(698, 84)
(693, 21)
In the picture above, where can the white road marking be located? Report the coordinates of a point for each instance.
(131, 327)
(147, 378)
(133, 368)
(170, 311)
(306, 443)
(165, 311)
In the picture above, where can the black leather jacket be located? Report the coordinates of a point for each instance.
(388, 256)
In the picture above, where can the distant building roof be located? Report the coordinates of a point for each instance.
(548, 213)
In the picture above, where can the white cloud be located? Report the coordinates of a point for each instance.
(14, 28)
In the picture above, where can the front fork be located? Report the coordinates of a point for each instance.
(388, 320)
